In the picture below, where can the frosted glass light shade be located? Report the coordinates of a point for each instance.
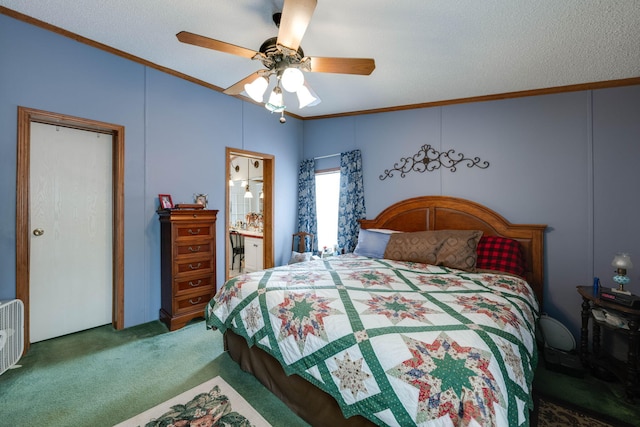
(248, 194)
(306, 97)
(292, 79)
(257, 88)
(622, 260)
(276, 103)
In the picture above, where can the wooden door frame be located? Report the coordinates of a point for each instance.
(268, 172)
(26, 116)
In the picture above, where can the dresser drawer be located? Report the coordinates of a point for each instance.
(203, 265)
(193, 230)
(183, 286)
(193, 248)
(194, 302)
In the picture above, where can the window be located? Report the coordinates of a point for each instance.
(327, 202)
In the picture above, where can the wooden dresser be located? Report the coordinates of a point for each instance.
(188, 264)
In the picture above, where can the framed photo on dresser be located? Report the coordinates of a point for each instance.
(200, 199)
(165, 201)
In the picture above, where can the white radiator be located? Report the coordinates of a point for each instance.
(11, 333)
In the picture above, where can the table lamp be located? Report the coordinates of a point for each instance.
(622, 262)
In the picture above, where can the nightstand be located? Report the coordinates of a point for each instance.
(622, 320)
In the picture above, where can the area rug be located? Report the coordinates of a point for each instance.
(214, 403)
(550, 412)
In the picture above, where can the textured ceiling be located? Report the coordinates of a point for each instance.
(425, 50)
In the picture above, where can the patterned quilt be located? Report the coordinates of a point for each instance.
(399, 343)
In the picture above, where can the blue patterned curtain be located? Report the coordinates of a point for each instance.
(351, 200)
(307, 218)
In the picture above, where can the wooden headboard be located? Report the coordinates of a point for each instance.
(451, 213)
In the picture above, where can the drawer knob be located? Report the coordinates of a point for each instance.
(195, 284)
(192, 302)
(194, 250)
(196, 267)
(194, 232)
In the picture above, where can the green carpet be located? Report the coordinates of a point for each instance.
(607, 398)
(101, 377)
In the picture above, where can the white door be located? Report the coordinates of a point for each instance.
(70, 284)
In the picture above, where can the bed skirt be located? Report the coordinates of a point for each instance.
(309, 402)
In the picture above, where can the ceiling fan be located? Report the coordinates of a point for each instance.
(283, 58)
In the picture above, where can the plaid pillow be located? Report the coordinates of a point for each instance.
(500, 254)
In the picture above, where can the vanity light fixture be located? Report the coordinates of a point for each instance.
(235, 168)
(247, 193)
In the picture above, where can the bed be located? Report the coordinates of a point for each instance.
(400, 336)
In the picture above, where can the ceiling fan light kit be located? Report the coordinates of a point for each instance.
(283, 57)
(292, 79)
(257, 88)
(307, 97)
(276, 102)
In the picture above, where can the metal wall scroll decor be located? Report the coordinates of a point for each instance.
(428, 159)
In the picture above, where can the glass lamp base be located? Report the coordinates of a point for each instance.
(621, 281)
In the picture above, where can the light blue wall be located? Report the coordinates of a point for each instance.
(566, 160)
(175, 138)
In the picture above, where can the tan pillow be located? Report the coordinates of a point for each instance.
(450, 248)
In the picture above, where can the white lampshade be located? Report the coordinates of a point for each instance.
(276, 103)
(622, 260)
(306, 96)
(247, 194)
(292, 79)
(230, 182)
(257, 88)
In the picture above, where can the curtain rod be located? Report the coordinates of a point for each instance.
(327, 156)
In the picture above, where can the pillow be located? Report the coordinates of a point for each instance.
(384, 230)
(450, 248)
(501, 254)
(299, 257)
(371, 243)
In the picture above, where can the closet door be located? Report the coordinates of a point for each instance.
(71, 230)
